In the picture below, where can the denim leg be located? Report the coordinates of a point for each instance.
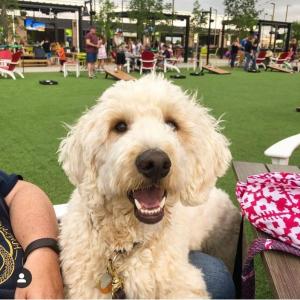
(233, 58)
(217, 278)
(248, 60)
(253, 67)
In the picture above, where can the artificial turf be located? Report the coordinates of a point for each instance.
(258, 110)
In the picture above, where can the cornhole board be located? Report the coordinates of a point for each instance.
(216, 70)
(279, 69)
(119, 75)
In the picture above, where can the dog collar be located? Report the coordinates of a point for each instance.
(112, 282)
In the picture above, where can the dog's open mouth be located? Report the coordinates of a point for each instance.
(149, 203)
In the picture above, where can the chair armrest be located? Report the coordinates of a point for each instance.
(60, 210)
(282, 150)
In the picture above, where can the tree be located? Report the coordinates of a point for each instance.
(145, 12)
(197, 21)
(296, 30)
(243, 13)
(104, 19)
(5, 19)
(198, 18)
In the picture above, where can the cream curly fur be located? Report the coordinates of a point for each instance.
(100, 163)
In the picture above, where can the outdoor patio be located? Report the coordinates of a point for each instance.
(257, 109)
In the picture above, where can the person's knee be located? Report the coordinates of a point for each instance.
(217, 277)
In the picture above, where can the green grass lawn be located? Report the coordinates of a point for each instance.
(258, 109)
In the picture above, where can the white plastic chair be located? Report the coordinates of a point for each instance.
(10, 69)
(169, 63)
(148, 65)
(69, 66)
(282, 150)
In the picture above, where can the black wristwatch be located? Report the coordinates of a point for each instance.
(41, 243)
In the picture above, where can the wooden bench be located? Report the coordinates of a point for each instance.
(283, 269)
(119, 75)
(34, 62)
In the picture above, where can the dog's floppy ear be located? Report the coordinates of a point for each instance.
(71, 156)
(210, 157)
(78, 149)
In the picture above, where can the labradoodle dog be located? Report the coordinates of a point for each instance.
(144, 162)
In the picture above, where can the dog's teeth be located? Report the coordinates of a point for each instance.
(150, 211)
(162, 203)
(137, 204)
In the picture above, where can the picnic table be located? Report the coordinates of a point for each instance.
(283, 269)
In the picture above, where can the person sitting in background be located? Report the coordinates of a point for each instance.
(27, 221)
(166, 51)
(133, 48)
(293, 48)
(146, 50)
(165, 54)
(235, 47)
(61, 55)
(139, 48)
(147, 56)
(170, 49)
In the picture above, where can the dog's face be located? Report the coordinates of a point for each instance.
(145, 145)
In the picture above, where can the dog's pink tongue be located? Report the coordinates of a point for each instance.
(149, 198)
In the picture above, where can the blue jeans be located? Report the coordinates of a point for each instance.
(218, 280)
(232, 59)
(248, 61)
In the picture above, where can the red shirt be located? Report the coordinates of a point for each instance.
(61, 53)
(93, 39)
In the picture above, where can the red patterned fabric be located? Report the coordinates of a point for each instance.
(271, 202)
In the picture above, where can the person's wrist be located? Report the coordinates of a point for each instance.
(41, 254)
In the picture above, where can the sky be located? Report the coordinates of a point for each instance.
(265, 5)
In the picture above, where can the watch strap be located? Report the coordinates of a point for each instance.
(41, 243)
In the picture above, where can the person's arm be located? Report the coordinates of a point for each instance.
(32, 217)
(89, 43)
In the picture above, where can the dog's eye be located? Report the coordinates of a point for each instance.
(121, 127)
(172, 124)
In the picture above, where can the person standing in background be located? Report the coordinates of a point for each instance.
(61, 55)
(46, 47)
(248, 52)
(235, 47)
(102, 55)
(91, 48)
(255, 50)
(119, 44)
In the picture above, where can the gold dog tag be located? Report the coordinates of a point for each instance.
(106, 284)
(112, 283)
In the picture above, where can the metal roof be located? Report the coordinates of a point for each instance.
(49, 6)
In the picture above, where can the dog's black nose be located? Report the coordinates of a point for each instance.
(154, 164)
